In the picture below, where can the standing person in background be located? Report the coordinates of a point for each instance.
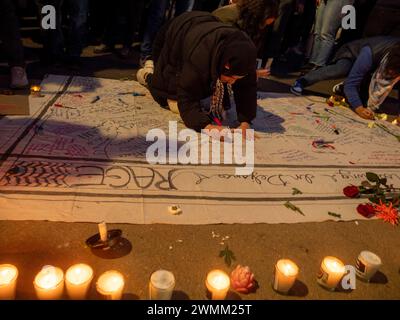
(327, 23)
(157, 11)
(55, 49)
(11, 43)
(131, 12)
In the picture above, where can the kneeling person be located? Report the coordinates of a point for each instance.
(197, 56)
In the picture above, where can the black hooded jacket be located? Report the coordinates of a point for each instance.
(197, 46)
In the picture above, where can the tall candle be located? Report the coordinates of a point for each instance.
(103, 231)
(331, 272)
(218, 283)
(161, 286)
(111, 284)
(368, 263)
(8, 281)
(49, 283)
(77, 279)
(286, 272)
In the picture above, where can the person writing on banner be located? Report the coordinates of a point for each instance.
(372, 68)
(194, 55)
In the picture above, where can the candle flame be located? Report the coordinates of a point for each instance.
(7, 274)
(218, 280)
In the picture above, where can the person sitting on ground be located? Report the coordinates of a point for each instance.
(252, 17)
(194, 55)
(372, 68)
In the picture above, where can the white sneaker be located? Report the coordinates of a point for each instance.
(149, 66)
(19, 79)
(141, 76)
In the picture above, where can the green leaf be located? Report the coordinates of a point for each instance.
(291, 206)
(228, 256)
(374, 199)
(296, 191)
(384, 181)
(336, 215)
(373, 177)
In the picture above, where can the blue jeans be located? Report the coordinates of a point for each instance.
(338, 70)
(327, 22)
(53, 42)
(155, 19)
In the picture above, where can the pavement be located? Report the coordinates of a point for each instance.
(192, 251)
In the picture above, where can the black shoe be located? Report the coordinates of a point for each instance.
(73, 63)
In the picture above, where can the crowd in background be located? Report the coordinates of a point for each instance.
(310, 29)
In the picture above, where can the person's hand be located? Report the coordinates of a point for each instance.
(364, 113)
(317, 2)
(263, 73)
(217, 132)
(243, 127)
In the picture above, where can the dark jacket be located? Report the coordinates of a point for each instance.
(379, 47)
(190, 63)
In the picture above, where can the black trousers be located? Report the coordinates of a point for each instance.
(10, 34)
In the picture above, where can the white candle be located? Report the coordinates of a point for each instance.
(111, 284)
(49, 283)
(103, 231)
(77, 279)
(331, 272)
(286, 272)
(368, 263)
(8, 281)
(161, 286)
(218, 283)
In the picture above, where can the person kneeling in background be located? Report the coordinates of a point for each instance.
(372, 68)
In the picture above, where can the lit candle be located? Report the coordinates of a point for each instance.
(111, 284)
(368, 263)
(103, 231)
(331, 272)
(49, 283)
(286, 272)
(8, 281)
(218, 283)
(35, 90)
(162, 284)
(77, 279)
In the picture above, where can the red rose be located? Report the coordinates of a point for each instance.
(366, 210)
(351, 191)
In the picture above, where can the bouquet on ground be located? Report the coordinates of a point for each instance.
(384, 199)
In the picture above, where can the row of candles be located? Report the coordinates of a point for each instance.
(49, 282)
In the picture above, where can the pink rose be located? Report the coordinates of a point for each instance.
(242, 279)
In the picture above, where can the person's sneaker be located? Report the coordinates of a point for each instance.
(141, 76)
(338, 89)
(297, 88)
(103, 48)
(19, 79)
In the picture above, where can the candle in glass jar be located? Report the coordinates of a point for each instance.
(331, 272)
(218, 283)
(368, 263)
(8, 281)
(286, 272)
(111, 284)
(161, 286)
(49, 283)
(77, 280)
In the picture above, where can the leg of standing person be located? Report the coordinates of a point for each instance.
(77, 31)
(11, 38)
(330, 24)
(154, 21)
(52, 39)
(333, 71)
(319, 17)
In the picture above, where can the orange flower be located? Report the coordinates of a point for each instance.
(387, 213)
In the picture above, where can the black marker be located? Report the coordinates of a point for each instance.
(95, 99)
